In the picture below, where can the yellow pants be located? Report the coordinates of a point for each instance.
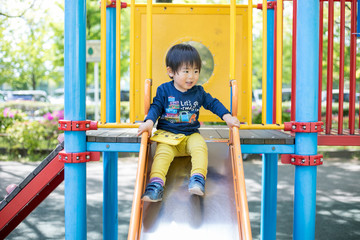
(193, 145)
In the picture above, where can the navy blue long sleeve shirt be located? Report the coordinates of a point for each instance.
(179, 111)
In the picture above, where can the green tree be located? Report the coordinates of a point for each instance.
(26, 47)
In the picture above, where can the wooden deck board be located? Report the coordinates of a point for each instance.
(129, 135)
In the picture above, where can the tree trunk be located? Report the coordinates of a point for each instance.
(164, 1)
(33, 81)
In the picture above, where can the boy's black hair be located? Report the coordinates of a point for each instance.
(180, 54)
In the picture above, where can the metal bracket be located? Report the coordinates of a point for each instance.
(305, 127)
(270, 5)
(78, 157)
(112, 4)
(302, 160)
(66, 125)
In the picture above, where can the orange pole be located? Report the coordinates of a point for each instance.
(238, 171)
(135, 219)
(240, 188)
(147, 97)
(234, 92)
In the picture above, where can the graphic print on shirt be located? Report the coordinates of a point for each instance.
(181, 111)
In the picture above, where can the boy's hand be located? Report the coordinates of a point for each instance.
(231, 121)
(146, 126)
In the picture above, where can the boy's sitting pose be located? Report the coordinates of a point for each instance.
(177, 103)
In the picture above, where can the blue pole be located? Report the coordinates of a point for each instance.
(270, 65)
(307, 57)
(270, 161)
(269, 196)
(110, 184)
(74, 84)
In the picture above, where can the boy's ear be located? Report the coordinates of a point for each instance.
(170, 72)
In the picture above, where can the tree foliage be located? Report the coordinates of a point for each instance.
(27, 57)
(33, 58)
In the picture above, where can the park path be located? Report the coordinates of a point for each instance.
(338, 200)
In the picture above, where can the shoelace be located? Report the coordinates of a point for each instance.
(154, 187)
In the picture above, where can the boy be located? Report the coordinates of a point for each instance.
(177, 103)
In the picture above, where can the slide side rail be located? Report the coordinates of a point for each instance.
(136, 210)
(239, 186)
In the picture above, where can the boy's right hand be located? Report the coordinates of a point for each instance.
(146, 126)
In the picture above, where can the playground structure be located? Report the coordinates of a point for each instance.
(226, 30)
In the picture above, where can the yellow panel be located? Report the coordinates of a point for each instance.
(207, 24)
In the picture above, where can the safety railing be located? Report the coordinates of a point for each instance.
(277, 124)
(103, 124)
(277, 59)
(329, 118)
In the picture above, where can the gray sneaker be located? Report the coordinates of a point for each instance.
(153, 192)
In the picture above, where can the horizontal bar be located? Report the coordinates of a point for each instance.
(191, 5)
(242, 126)
(339, 140)
(276, 149)
(117, 125)
(262, 126)
(112, 147)
(335, 0)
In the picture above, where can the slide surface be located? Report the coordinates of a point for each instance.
(31, 192)
(184, 216)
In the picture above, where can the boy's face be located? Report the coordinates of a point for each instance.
(185, 78)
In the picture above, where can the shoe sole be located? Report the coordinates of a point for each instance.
(147, 199)
(196, 191)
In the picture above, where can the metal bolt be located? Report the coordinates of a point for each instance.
(87, 156)
(66, 158)
(65, 125)
(304, 127)
(292, 159)
(314, 160)
(87, 125)
(321, 160)
(315, 127)
(293, 127)
(303, 161)
(77, 157)
(77, 125)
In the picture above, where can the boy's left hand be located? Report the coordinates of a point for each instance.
(231, 121)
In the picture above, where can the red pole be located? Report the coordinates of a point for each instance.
(352, 69)
(321, 27)
(341, 71)
(293, 72)
(274, 82)
(330, 68)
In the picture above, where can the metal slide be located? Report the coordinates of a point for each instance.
(180, 215)
(16, 206)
